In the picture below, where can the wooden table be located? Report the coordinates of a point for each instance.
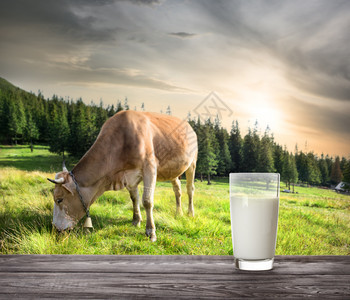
(170, 277)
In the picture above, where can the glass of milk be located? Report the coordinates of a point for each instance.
(254, 199)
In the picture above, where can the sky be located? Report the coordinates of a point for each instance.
(284, 64)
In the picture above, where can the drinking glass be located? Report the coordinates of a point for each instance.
(254, 200)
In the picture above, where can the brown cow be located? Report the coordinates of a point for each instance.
(131, 147)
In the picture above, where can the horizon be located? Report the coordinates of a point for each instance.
(288, 70)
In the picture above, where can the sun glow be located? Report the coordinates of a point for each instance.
(260, 107)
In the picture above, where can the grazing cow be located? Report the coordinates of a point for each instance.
(131, 147)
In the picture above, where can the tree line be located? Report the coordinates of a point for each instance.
(71, 127)
(222, 152)
(65, 125)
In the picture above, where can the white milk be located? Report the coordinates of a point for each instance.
(254, 227)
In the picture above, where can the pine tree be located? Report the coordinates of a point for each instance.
(343, 163)
(126, 105)
(100, 118)
(223, 155)
(302, 165)
(329, 161)
(197, 127)
(91, 129)
(289, 171)
(278, 158)
(266, 162)
(168, 110)
(236, 148)
(78, 143)
(4, 118)
(251, 151)
(313, 173)
(201, 154)
(207, 159)
(31, 131)
(42, 119)
(119, 107)
(336, 174)
(346, 174)
(294, 172)
(17, 119)
(59, 132)
(110, 111)
(286, 167)
(322, 164)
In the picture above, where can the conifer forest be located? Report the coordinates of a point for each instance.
(69, 127)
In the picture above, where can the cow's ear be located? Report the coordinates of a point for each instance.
(68, 187)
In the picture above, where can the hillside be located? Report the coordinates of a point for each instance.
(7, 88)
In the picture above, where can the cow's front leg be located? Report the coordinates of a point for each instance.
(149, 183)
(134, 195)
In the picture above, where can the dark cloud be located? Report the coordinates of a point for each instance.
(51, 30)
(143, 2)
(316, 56)
(322, 119)
(322, 83)
(188, 47)
(310, 39)
(182, 34)
(117, 77)
(50, 20)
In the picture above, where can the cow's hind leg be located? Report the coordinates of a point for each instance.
(149, 183)
(177, 190)
(134, 195)
(190, 172)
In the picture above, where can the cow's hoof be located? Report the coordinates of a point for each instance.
(151, 234)
(153, 238)
(136, 223)
(191, 213)
(179, 212)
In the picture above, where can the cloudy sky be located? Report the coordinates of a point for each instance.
(285, 64)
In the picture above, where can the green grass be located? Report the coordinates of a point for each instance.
(312, 222)
(20, 157)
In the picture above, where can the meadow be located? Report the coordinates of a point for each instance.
(312, 222)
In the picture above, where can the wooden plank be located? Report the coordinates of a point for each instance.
(97, 285)
(316, 265)
(171, 277)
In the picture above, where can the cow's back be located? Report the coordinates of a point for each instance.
(172, 141)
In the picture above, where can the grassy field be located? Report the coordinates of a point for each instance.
(312, 222)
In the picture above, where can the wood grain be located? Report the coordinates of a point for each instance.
(171, 277)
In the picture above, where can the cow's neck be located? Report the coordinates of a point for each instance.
(94, 170)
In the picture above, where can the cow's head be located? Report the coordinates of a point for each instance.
(68, 209)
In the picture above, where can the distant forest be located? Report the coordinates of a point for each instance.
(69, 126)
